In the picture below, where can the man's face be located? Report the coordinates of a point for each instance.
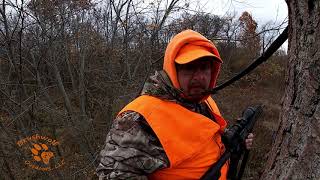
(195, 77)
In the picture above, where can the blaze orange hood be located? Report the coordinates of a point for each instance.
(188, 37)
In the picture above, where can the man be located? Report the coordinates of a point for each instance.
(173, 130)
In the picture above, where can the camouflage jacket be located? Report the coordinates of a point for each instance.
(132, 150)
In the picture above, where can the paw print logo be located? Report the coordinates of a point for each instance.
(40, 153)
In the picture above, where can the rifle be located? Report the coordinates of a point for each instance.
(233, 139)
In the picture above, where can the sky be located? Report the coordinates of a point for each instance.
(262, 11)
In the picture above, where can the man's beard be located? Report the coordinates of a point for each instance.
(196, 92)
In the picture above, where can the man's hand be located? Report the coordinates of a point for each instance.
(249, 141)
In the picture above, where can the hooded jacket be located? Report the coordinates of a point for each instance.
(181, 39)
(179, 151)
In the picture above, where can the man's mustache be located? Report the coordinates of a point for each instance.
(197, 85)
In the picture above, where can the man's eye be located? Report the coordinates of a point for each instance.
(205, 67)
(187, 68)
(190, 68)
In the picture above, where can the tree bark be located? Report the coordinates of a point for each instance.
(62, 89)
(296, 151)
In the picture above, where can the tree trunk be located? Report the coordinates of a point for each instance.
(296, 151)
(62, 89)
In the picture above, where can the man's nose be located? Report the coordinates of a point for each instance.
(198, 73)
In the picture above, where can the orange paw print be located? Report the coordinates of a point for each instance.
(44, 155)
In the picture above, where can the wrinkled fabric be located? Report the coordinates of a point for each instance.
(191, 141)
(132, 149)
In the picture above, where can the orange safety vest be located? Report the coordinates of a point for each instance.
(191, 141)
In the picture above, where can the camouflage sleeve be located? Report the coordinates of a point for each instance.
(132, 150)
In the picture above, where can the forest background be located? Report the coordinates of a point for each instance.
(67, 67)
